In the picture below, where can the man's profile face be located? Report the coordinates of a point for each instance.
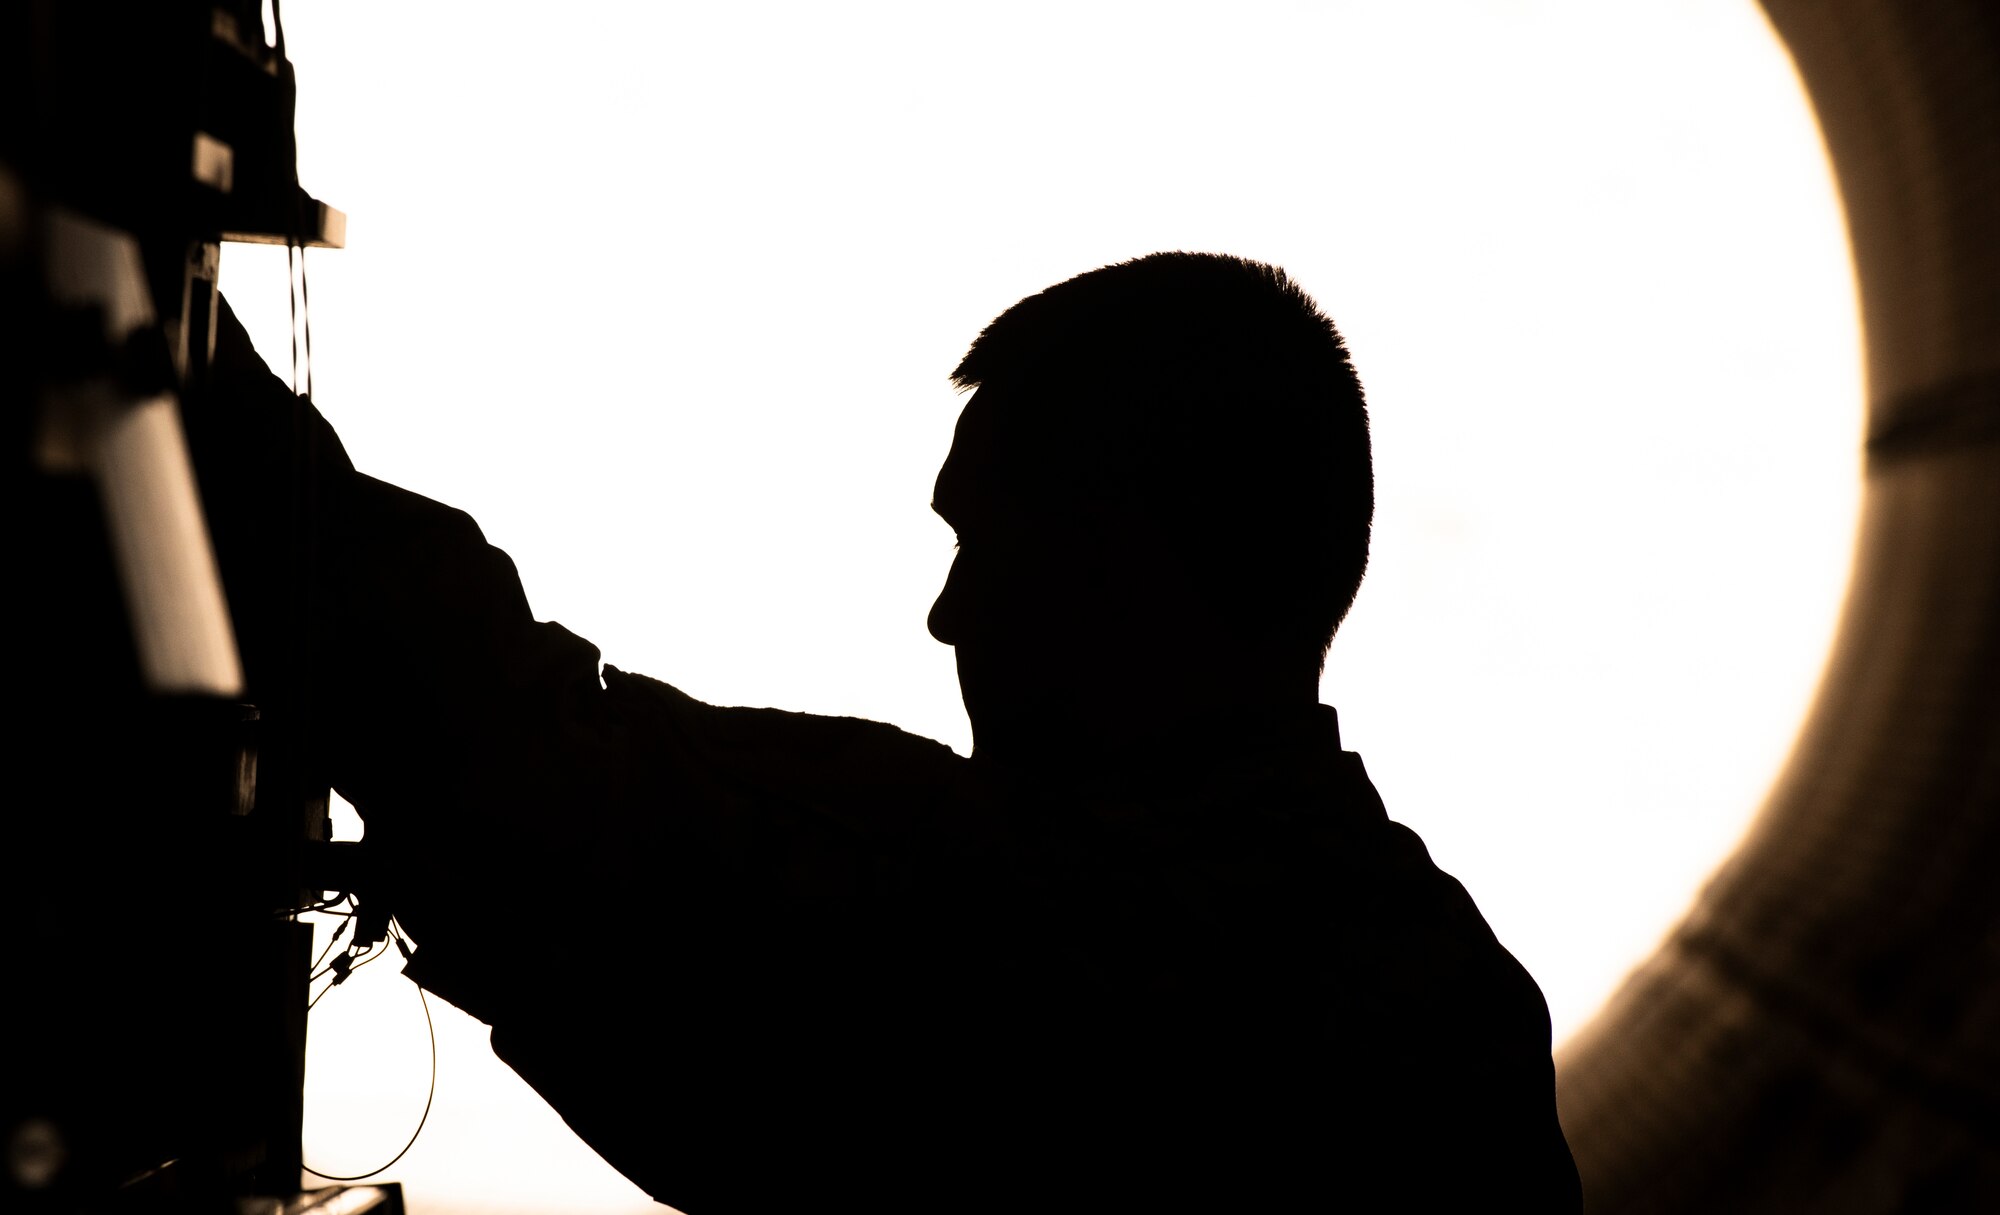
(1056, 601)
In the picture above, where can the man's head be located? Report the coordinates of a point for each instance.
(1162, 491)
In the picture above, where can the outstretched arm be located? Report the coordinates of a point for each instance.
(561, 849)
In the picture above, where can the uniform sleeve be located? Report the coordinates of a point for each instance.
(692, 928)
(1466, 1087)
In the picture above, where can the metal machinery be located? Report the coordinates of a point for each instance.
(159, 820)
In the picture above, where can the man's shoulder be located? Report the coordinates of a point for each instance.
(1436, 938)
(1401, 942)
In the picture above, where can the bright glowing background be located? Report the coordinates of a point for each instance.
(665, 295)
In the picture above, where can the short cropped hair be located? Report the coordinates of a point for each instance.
(1216, 388)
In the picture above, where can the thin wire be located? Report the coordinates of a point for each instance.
(298, 289)
(330, 943)
(292, 236)
(305, 302)
(339, 980)
(314, 1002)
(431, 1096)
(366, 956)
(373, 957)
(324, 905)
(431, 1027)
(292, 298)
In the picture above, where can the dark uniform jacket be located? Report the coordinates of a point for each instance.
(766, 962)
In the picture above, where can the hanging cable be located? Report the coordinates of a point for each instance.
(373, 957)
(430, 1027)
(347, 963)
(297, 290)
(324, 906)
(331, 942)
(305, 298)
(292, 300)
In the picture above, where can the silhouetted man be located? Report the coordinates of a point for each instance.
(1155, 946)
